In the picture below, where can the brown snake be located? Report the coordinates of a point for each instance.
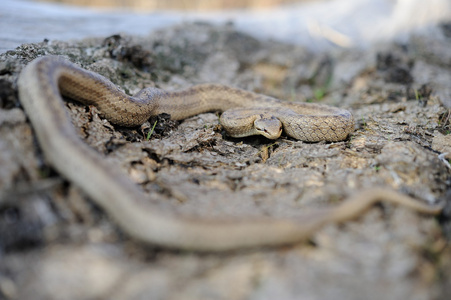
(43, 81)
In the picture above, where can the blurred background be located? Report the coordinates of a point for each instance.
(197, 5)
(317, 24)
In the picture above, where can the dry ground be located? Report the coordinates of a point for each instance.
(55, 244)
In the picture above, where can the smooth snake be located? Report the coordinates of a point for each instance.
(44, 80)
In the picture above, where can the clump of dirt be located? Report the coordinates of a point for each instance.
(56, 244)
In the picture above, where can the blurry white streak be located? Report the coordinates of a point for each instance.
(322, 31)
(442, 157)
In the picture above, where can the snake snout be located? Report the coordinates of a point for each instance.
(269, 127)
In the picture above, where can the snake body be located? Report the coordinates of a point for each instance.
(303, 121)
(41, 84)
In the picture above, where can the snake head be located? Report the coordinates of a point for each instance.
(268, 126)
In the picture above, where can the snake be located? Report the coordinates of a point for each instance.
(45, 80)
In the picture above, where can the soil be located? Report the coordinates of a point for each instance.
(56, 244)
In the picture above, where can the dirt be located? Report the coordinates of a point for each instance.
(56, 244)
